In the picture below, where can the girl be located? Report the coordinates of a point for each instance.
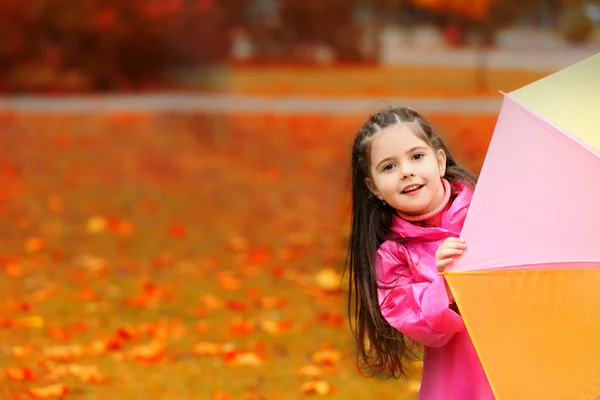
(409, 200)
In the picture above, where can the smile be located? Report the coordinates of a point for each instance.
(412, 188)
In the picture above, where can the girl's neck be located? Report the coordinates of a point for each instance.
(434, 215)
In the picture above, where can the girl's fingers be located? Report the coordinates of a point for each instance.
(447, 253)
(454, 244)
(444, 263)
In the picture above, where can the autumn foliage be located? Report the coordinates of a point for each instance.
(46, 45)
(183, 256)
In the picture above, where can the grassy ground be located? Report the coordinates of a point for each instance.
(182, 257)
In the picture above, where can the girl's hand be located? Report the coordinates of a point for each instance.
(448, 250)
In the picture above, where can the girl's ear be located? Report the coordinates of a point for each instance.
(371, 185)
(441, 158)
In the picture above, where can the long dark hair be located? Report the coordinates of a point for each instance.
(381, 347)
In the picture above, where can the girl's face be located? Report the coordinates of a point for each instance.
(405, 172)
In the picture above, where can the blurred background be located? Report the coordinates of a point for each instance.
(174, 178)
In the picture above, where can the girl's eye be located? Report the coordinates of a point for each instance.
(388, 167)
(418, 156)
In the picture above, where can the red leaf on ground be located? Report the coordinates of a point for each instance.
(20, 374)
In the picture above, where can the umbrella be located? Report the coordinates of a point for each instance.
(528, 286)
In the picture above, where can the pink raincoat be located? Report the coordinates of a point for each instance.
(417, 305)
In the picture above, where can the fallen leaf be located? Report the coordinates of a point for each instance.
(317, 387)
(328, 279)
(21, 351)
(276, 327)
(310, 370)
(86, 373)
(208, 349)
(95, 224)
(237, 243)
(20, 374)
(63, 352)
(34, 244)
(49, 392)
(243, 358)
(221, 396)
(34, 321)
(177, 230)
(326, 357)
(211, 301)
(242, 327)
(202, 327)
(260, 255)
(228, 281)
(271, 302)
(413, 386)
(237, 305)
(148, 353)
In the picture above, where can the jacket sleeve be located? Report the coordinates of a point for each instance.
(417, 308)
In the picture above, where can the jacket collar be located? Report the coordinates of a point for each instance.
(452, 218)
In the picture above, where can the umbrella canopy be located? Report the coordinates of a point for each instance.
(528, 285)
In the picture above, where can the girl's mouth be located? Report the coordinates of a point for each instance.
(412, 189)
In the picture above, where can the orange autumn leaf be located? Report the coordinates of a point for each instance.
(211, 301)
(87, 294)
(332, 319)
(271, 302)
(317, 387)
(164, 329)
(221, 396)
(253, 293)
(326, 357)
(13, 269)
(202, 327)
(19, 306)
(21, 351)
(34, 321)
(64, 352)
(242, 358)
(150, 295)
(310, 370)
(34, 244)
(237, 305)
(151, 352)
(20, 374)
(86, 373)
(177, 230)
(49, 392)
(328, 279)
(124, 228)
(237, 243)
(413, 386)
(259, 256)
(275, 327)
(208, 349)
(228, 281)
(96, 224)
(55, 204)
(59, 334)
(242, 327)
(127, 332)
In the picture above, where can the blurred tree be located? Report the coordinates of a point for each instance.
(312, 23)
(574, 22)
(109, 44)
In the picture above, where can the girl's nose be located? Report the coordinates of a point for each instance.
(406, 172)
